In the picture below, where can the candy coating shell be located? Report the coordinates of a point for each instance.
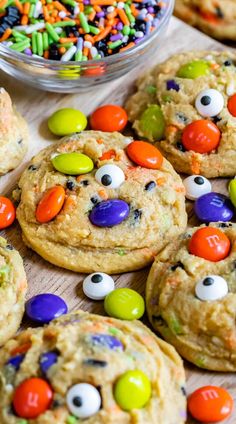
(67, 121)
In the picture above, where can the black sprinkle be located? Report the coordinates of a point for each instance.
(224, 224)
(180, 146)
(95, 363)
(183, 390)
(97, 278)
(137, 214)
(56, 404)
(20, 141)
(32, 168)
(158, 320)
(182, 118)
(94, 200)
(177, 265)
(228, 62)
(219, 12)
(70, 185)
(11, 410)
(9, 247)
(85, 183)
(150, 186)
(216, 119)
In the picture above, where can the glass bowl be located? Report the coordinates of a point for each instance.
(71, 77)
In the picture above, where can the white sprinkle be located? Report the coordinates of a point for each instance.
(230, 89)
(102, 22)
(21, 27)
(110, 9)
(58, 30)
(69, 54)
(36, 27)
(76, 10)
(9, 43)
(209, 57)
(88, 44)
(120, 5)
(125, 38)
(38, 9)
(62, 14)
(9, 388)
(128, 140)
(139, 34)
(93, 52)
(149, 17)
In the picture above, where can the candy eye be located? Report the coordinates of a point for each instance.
(212, 287)
(98, 285)
(209, 102)
(83, 400)
(196, 186)
(110, 176)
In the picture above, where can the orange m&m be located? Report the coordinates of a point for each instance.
(50, 204)
(144, 154)
(109, 118)
(7, 212)
(232, 105)
(201, 136)
(32, 398)
(210, 404)
(209, 243)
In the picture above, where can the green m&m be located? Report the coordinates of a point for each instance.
(124, 303)
(73, 163)
(232, 191)
(194, 69)
(67, 121)
(152, 123)
(132, 390)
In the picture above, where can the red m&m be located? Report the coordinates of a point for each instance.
(50, 204)
(109, 118)
(32, 398)
(201, 136)
(7, 212)
(210, 404)
(144, 154)
(209, 243)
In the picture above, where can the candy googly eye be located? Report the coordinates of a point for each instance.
(209, 102)
(110, 176)
(196, 186)
(98, 285)
(212, 287)
(83, 400)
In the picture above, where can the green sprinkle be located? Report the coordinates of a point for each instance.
(22, 422)
(126, 30)
(39, 43)
(94, 30)
(121, 252)
(84, 58)
(71, 420)
(31, 11)
(130, 17)
(175, 325)
(4, 272)
(64, 24)
(50, 39)
(78, 55)
(45, 41)
(49, 1)
(132, 31)
(166, 98)
(114, 331)
(98, 56)
(151, 89)
(88, 10)
(115, 44)
(34, 42)
(84, 23)
(70, 2)
(66, 45)
(18, 35)
(200, 362)
(52, 32)
(21, 46)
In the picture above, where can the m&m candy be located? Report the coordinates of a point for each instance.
(47, 360)
(32, 398)
(45, 307)
(67, 121)
(210, 404)
(109, 118)
(194, 69)
(232, 105)
(124, 303)
(152, 123)
(50, 204)
(144, 154)
(201, 136)
(109, 213)
(98, 285)
(209, 243)
(213, 207)
(132, 390)
(232, 191)
(73, 163)
(7, 212)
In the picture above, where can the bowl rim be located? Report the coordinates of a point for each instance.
(102, 61)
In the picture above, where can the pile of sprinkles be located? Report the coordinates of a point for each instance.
(78, 30)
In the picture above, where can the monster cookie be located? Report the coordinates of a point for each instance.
(191, 295)
(99, 201)
(13, 134)
(89, 367)
(216, 18)
(188, 106)
(13, 287)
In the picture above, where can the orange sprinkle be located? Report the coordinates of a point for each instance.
(195, 164)
(45, 13)
(123, 49)
(100, 141)
(103, 33)
(51, 20)
(109, 51)
(19, 6)
(114, 31)
(21, 349)
(6, 34)
(62, 50)
(112, 15)
(89, 37)
(54, 13)
(210, 17)
(86, 51)
(46, 54)
(2, 5)
(123, 16)
(102, 2)
(134, 11)
(24, 20)
(68, 40)
(58, 19)
(59, 6)
(92, 15)
(171, 129)
(110, 22)
(103, 194)
(26, 8)
(81, 6)
(97, 8)
(110, 154)
(161, 181)
(50, 6)
(214, 66)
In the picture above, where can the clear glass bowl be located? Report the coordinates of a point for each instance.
(71, 77)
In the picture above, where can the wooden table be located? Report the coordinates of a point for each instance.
(36, 106)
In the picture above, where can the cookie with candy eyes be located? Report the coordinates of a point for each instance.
(100, 201)
(215, 19)
(13, 134)
(191, 295)
(13, 286)
(87, 368)
(187, 106)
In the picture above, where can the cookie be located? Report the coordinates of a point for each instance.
(114, 218)
(186, 105)
(78, 362)
(13, 134)
(191, 297)
(13, 286)
(214, 18)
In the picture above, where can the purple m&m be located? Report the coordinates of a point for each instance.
(109, 213)
(47, 359)
(15, 361)
(213, 207)
(106, 341)
(45, 307)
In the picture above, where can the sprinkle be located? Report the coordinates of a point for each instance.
(31, 28)
(69, 54)
(230, 89)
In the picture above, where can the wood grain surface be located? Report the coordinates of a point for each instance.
(36, 106)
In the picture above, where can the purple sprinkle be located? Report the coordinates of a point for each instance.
(28, 52)
(155, 22)
(148, 27)
(15, 361)
(47, 359)
(107, 341)
(172, 85)
(150, 9)
(86, 2)
(116, 37)
(119, 26)
(100, 14)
